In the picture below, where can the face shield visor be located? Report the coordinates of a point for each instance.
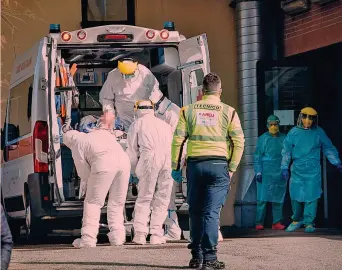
(307, 121)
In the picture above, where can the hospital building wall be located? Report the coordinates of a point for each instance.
(191, 17)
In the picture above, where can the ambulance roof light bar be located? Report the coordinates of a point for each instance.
(170, 26)
(55, 28)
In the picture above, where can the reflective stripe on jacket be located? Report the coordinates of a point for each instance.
(211, 129)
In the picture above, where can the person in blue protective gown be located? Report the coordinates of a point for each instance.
(303, 145)
(270, 185)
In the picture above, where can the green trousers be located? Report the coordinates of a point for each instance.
(310, 210)
(277, 212)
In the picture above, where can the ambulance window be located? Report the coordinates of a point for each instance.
(20, 106)
(196, 77)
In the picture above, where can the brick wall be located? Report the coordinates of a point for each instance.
(320, 26)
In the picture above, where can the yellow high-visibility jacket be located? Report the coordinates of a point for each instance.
(211, 130)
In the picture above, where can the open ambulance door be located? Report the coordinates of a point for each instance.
(49, 79)
(194, 65)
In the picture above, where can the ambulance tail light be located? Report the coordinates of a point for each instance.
(115, 38)
(164, 34)
(66, 36)
(150, 34)
(40, 147)
(81, 35)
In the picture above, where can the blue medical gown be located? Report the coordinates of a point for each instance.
(303, 146)
(267, 161)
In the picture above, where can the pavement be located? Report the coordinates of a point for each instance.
(250, 250)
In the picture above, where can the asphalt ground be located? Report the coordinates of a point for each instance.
(244, 249)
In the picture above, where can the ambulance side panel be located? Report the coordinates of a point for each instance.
(22, 109)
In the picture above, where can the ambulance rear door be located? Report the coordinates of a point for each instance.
(49, 79)
(194, 65)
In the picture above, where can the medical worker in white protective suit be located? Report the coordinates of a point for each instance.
(149, 149)
(124, 86)
(169, 112)
(104, 166)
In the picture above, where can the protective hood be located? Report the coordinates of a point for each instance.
(163, 106)
(143, 107)
(156, 96)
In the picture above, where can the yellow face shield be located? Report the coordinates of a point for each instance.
(308, 118)
(273, 128)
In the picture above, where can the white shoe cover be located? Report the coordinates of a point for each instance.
(220, 237)
(157, 240)
(116, 239)
(170, 237)
(186, 235)
(139, 238)
(78, 244)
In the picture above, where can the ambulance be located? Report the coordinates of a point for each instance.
(39, 181)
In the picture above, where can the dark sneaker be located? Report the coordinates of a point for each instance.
(213, 265)
(195, 263)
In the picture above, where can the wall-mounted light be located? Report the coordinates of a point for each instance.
(292, 7)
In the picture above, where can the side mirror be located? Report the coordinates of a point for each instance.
(12, 134)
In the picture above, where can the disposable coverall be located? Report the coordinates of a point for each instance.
(267, 160)
(123, 93)
(104, 166)
(303, 146)
(149, 148)
(169, 112)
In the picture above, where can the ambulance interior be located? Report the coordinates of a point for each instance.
(93, 66)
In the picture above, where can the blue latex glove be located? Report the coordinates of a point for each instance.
(133, 179)
(339, 167)
(177, 175)
(258, 178)
(285, 174)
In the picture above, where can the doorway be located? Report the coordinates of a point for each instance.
(310, 79)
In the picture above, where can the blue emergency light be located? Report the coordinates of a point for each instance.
(55, 28)
(170, 26)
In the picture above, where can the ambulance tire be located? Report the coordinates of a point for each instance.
(35, 232)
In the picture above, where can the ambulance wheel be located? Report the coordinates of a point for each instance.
(34, 230)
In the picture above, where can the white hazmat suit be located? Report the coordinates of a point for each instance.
(123, 93)
(149, 149)
(169, 113)
(102, 163)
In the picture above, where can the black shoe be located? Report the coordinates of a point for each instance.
(213, 265)
(195, 263)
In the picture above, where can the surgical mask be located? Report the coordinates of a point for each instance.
(273, 129)
(128, 77)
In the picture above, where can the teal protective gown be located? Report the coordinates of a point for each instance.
(303, 146)
(267, 161)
